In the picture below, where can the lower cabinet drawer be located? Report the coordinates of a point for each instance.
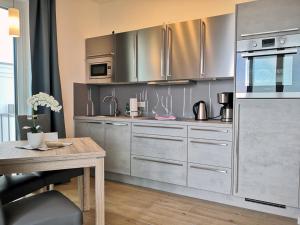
(168, 171)
(209, 178)
(173, 148)
(210, 152)
(214, 133)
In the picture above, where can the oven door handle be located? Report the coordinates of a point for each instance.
(270, 52)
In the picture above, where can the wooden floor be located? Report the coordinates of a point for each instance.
(132, 205)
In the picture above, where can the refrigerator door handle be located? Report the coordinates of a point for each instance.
(237, 153)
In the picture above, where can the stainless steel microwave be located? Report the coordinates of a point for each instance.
(268, 67)
(99, 69)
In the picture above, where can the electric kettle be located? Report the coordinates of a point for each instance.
(200, 111)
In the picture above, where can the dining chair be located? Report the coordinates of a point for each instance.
(50, 177)
(47, 208)
(13, 187)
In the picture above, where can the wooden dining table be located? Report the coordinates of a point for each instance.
(83, 153)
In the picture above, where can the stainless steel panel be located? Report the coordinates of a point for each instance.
(281, 41)
(183, 52)
(219, 46)
(150, 54)
(98, 46)
(125, 57)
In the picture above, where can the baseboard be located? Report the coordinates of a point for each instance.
(204, 195)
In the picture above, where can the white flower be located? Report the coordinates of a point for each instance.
(45, 100)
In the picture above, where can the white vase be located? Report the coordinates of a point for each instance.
(35, 140)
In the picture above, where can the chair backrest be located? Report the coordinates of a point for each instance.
(43, 120)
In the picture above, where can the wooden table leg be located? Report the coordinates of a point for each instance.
(86, 189)
(99, 191)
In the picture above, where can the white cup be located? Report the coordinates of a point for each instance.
(51, 136)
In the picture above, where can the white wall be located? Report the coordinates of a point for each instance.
(76, 20)
(79, 19)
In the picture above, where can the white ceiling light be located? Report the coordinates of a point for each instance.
(14, 21)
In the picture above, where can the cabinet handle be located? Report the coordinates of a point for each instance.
(159, 138)
(209, 143)
(237, 152)
(138, 125)
(117, 124)
(270, 32)
(96, 122)
(202, 50)
(212, 130)
(158, 161)
(209, 169)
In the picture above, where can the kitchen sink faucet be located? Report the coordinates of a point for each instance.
(111, 98)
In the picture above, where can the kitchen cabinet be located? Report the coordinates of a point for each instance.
(183, 50)
(151, 52)
(99, 46)
(167, 147)
(125, 57)
(219, 48)
(157, 169)
(114, 138)
(267, 17)
(117, 147)
(209, 178)
(97, 132)
(267, 154)
(82, 129)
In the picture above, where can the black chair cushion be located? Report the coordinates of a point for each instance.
(2, 222)
(48, 208)
(60, 176)
(14, 187)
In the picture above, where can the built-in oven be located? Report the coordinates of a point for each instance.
(268, 67)
(99, 69)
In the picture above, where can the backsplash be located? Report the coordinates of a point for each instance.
(175, 99)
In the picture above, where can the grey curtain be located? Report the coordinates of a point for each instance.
(44, 57)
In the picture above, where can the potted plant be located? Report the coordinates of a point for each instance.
(35, 135)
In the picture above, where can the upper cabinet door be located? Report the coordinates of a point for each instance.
(183, 55)
(267, 16)
(125, 57)
(151, 53)
(219, 46)
(99, 46)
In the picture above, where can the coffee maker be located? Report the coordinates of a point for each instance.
(226, 99)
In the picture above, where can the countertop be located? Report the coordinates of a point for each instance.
(179, 121)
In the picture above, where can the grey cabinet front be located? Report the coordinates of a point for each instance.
(82, 129)
(150, 54)
(169, 171)
(267, 154)
(268, 16)
(125, 57)
(219, 46)
(117, 147)
(97, 132)
(183, 55)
